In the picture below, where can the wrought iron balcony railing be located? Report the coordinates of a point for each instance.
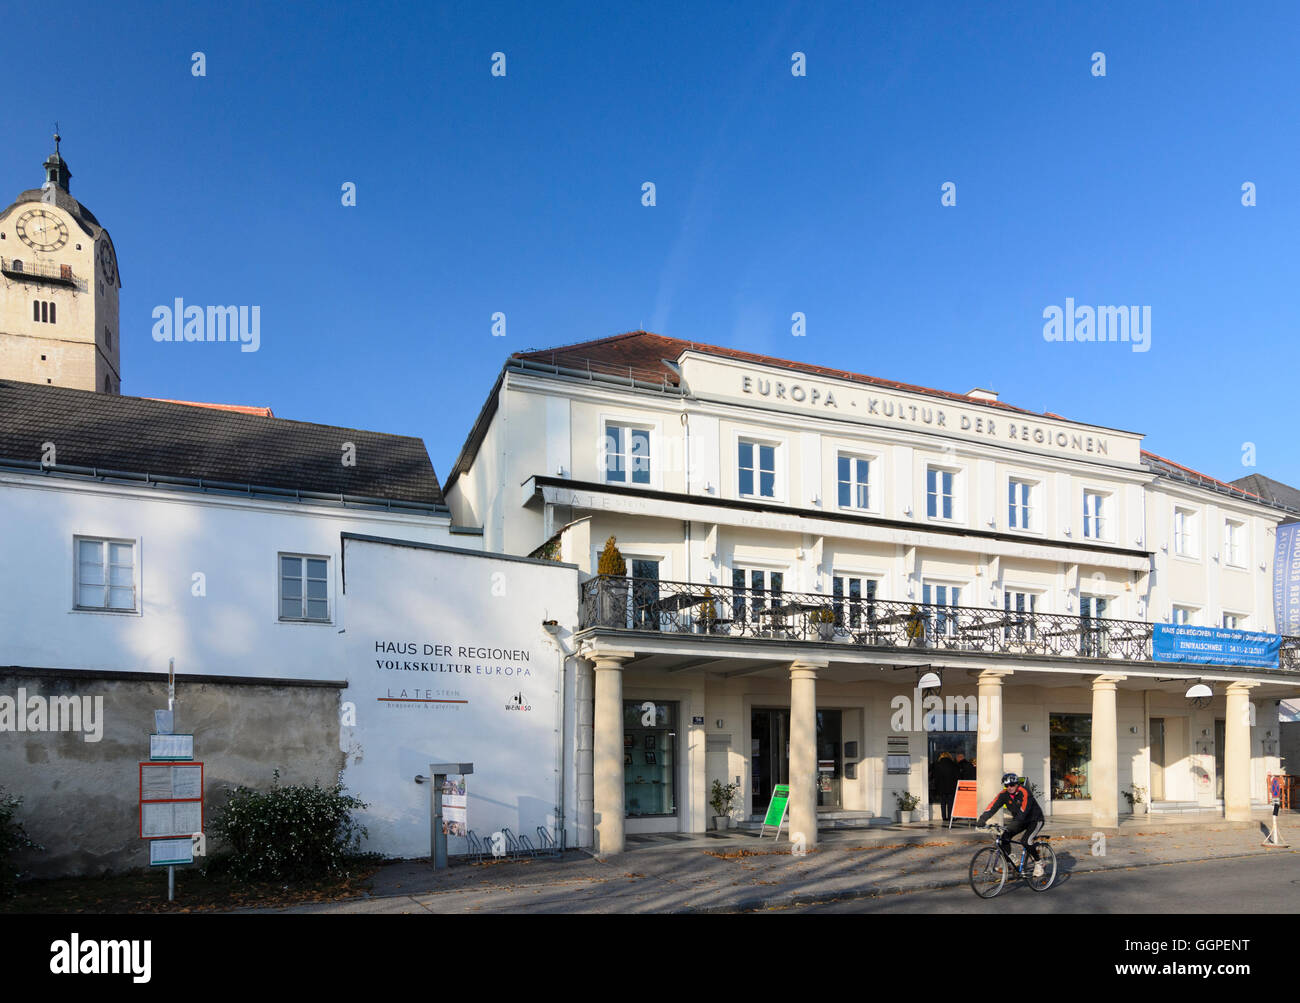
(691, 608)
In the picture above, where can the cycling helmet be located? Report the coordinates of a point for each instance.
(1008, 779)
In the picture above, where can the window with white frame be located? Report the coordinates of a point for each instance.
(1020, 607)
(106, 574)
(941, 622)
(1092, 637)
(1184, 532)
(1184, 615)
(1234, 621)
(940, 493)
(627, 454)
(764, 589)
(854, 477)
(1234, 543)
(1095, 526)
(1020, 504)
(854, 600)
(304, 587)
(757, 468)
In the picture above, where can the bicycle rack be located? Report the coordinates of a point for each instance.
(475, 846)
(547, 845)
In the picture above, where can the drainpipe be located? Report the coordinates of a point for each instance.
(552, 628)
(686, 450)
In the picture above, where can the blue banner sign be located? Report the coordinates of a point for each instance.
(1214, 646)
(1286, 579)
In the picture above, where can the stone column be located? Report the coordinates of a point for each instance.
(803, 751)
(1236, 753)
(584, 733)
(988, 744)
(607, 751)
(1103, 777)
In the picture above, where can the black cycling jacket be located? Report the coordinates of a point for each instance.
(1021, 805)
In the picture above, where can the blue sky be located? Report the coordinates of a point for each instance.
(776, 194)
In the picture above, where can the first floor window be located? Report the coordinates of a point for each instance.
(855, 599)
(627, 454)
(1234, 552)
(1233, 622)
(106, 574)
(942, 622)
(649, 757)
(645, 594)
(1184, 615)
(1020, 609)
(765, 588)
(757, 469)
(939, 493)
(1070, 743)
(304, 587)
(1092, 636)
(854, 481)
(1184, 526)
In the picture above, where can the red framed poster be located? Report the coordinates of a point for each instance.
(171, 799)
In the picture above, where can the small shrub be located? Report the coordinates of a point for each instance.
(13, 838)
(288, 832)
(611, 560)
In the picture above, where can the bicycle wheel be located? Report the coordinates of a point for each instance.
(988, 872)
(1047, 857)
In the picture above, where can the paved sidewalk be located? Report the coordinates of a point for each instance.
(738, 872)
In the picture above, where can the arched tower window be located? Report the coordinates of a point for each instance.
(45, 312)
(51, 313)
(36, 310)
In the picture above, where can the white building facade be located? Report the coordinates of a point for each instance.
(802, 545)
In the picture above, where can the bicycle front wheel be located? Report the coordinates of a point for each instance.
(988, 872)
(1047, 858)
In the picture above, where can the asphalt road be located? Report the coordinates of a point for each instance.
(1261, 884)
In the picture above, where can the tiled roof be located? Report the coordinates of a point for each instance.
(142, 436)
(640, 354)
(1270, 490)
(1166, 466)
(264, 412)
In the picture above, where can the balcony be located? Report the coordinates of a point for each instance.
(37, 271)
(722, 611)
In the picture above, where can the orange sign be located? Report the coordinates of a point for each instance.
(966, 803)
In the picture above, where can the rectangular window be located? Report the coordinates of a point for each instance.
(649, 759)
(1184, 615)
(627, 454)
(1020, 512)
(854, 481)
(1070, 744)
(757, 469)
(1234, 550)
(1092, 636)
(765, 588)
(941, 622)
(939, 493)
(106, 575)
(304, 588)
(1232, 621)
(854, 600)
(1020, 608)
(645, 594)
(1094, 515)
(1184, 532)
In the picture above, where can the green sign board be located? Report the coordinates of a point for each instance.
(776, 807)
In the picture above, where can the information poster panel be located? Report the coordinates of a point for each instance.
(776, 807)
(168, 852)
(966, 802)
(455, 807)
(171, 746)
(160, 819)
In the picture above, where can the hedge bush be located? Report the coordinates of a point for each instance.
(13, 838)
(288, 832)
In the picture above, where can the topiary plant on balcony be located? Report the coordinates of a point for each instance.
(708, 615)
(611, 586)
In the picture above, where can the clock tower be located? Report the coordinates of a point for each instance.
(58, 289)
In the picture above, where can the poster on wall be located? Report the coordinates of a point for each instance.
(455, 807)
(1286, 579)
(1214, 646)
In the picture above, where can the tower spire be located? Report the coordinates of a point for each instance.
(57, 174)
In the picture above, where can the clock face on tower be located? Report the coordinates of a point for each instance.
(107, 264)
(41, 230)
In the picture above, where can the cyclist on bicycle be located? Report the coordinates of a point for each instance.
(1026, 817)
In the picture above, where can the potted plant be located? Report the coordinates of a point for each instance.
(1135, 796)
(908, 804)
(611, 586)
(721, 799)
(825, 620)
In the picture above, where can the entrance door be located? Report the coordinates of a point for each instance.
(770, 756)
(1157, 759)
(645, 595)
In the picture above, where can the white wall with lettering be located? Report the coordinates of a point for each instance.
(448, 661)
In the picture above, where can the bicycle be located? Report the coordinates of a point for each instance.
(988, 868)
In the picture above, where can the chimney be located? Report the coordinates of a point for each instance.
(980, 394)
